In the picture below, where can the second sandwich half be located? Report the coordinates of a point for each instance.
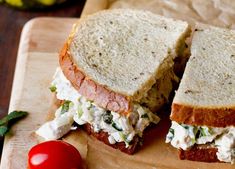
(203, 111)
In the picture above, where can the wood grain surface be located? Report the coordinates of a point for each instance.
(41, 40)
(11, 24)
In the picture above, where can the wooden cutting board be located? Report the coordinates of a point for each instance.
(40, 43)
(41, 40)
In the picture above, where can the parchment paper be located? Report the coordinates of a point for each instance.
(214, 12)
(154, 154)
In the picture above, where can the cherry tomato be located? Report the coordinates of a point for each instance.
(54, 155)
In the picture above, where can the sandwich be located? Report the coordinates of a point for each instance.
(203, 109)
(116, 72)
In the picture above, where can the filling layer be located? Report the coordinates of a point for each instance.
(185, 136)
(76, 108)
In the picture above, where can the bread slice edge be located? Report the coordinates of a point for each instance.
(85, 86)
(203, 116)
(199, 153)
(103, 137)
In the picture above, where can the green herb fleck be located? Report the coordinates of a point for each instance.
(195, 130)
(52, 88)
(124, 138)
(80, 112)
(185, 126)
(193, 140)
(89, 105)
(145, 116)
(114, 125)
(170, 134)
(108, 117)
(65, 106)
(204, 131)
(171, 130)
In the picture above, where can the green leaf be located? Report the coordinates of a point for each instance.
(3, 130)
(4, 122)
(124, 137)
(11, 116)
(16, 114)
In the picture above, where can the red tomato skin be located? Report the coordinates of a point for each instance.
(54, 155)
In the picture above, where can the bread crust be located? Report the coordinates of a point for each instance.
(91, 90)
(198, 153)
(103, 136)
(214, 117)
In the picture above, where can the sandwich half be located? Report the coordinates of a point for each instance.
(116, 72)
(203, 109)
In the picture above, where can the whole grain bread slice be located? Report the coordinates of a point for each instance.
(202, 153)
(87, 87)
(114, 57)
(206, 94)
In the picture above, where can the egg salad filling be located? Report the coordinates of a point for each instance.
(76, 108)
(185, 136)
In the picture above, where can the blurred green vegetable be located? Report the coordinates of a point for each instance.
(31, 4)
(53, 88)
(5, 122)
